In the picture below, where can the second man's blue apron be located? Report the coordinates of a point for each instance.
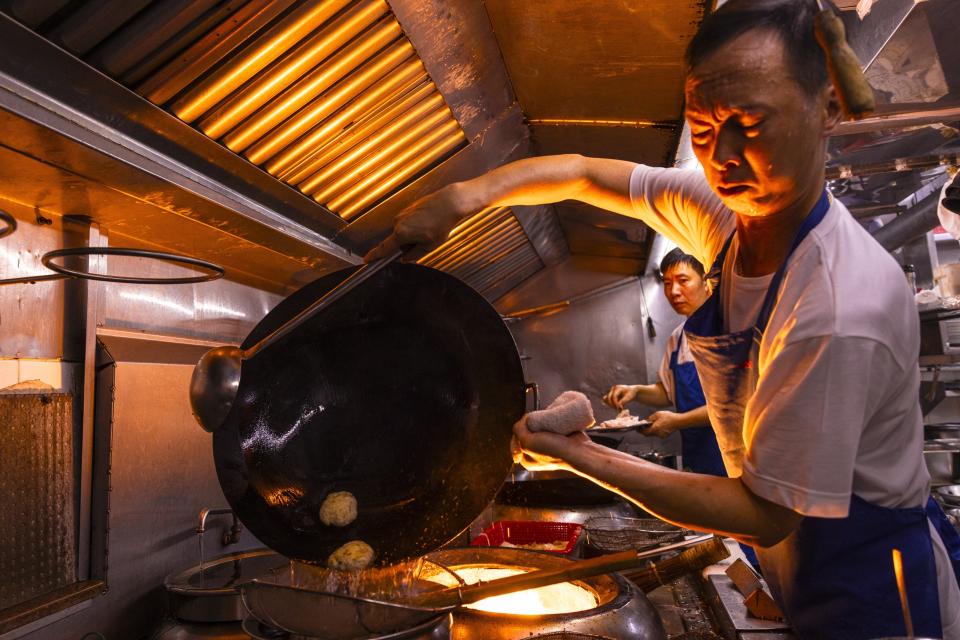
(701, 453)
(832, 576)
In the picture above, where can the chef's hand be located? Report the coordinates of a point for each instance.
(427, 221)
(662, 424)
(544, 450)
(619, 395)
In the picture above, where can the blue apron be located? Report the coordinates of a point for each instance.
(832, 576)
(699, 447)
(701, 453)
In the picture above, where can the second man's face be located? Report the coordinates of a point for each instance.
(684, 288)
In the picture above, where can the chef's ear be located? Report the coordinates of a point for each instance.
(832, 112)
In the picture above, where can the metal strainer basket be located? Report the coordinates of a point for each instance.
(610, 534)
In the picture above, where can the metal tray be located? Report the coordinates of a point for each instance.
(639, 425)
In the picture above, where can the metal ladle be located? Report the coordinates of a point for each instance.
(216, 378)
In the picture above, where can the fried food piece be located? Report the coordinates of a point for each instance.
(338, 509)
(353, 556)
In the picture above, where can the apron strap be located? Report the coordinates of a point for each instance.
(812, 220)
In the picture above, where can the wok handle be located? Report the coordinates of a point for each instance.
(354, 280)
(534, 579)
(532, 387)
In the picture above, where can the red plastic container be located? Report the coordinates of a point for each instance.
(528, 534)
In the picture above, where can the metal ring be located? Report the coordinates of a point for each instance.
(8, 220)
(216, 271)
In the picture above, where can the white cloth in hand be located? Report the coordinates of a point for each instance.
(570, 412)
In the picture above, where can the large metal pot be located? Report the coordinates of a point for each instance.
(623, 611)
(403, 392)
(211, 592)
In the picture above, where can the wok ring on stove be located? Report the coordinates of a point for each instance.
(623, 611)
(403, 392)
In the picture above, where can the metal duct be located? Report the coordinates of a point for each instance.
(328, 96)
(489, 251)
(919, 220)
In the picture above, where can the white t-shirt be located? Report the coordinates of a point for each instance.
(836, 408)
(664, 374)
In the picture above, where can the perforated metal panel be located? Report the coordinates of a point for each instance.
(36, 495)
(328, 96)
(489, 251)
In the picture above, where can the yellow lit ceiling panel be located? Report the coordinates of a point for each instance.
(327, 96)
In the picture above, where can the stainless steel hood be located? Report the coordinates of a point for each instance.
(271, 128)
(296, 130)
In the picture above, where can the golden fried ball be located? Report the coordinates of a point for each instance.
(352, 556)
(338, 509)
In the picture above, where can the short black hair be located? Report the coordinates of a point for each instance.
(791, 20)
(675, 257)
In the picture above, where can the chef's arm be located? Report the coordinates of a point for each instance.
(652, 395)
(708, 503)
(601, 182)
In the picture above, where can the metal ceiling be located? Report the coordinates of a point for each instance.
(883, 167)
(328, 96)
(601, 78)
(361, 106)
(490, 251)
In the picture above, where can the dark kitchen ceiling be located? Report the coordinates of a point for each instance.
(601, 78)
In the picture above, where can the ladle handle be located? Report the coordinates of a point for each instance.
(535, 579)
(354, 280)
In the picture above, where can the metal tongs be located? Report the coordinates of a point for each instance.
(296, 609)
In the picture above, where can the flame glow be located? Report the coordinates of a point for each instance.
(565, 597)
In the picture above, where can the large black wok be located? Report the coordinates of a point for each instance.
(403, 392)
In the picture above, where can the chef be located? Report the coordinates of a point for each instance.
(685, 289)
(807, 348)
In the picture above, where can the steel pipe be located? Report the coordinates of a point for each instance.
(919, 220)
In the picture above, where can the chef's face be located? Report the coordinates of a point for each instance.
(685, 289)
(759, 136)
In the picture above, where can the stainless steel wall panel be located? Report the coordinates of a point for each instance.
(36, 496)
(32, 314)
(216, 311)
